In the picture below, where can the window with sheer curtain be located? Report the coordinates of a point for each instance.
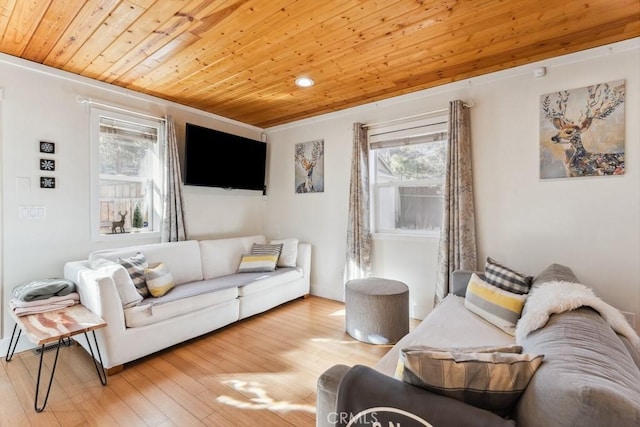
(127, 174)
(407, 175)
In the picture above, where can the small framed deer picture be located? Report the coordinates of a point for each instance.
(309, 165)
(582, 131)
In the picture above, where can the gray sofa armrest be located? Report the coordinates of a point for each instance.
(459, 281)
(327, 394)
(364, 388)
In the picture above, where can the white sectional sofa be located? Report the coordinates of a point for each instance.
(208, 295)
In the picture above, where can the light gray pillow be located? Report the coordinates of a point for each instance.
(289, 254)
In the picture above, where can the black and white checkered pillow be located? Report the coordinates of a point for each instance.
(504, 278)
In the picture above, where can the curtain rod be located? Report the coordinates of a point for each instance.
(470, 103)
(83, 100)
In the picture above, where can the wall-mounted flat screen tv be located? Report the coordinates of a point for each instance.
(219, 159)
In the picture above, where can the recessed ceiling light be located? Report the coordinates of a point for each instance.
(304, 82)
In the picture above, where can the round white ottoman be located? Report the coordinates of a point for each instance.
(377, 310)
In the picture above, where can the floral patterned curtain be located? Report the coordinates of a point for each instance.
(457, 248)
(173, 226)
(358, 262)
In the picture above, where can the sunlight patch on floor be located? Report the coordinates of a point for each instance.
(331, 340)
(338, 313)
(261, 399)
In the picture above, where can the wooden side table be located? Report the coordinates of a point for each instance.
(57, 325)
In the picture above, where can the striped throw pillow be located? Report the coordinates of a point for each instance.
(497, 306)
(264, 249)
(159, 279)
(505, 278)
(135, 266)
(257, 263)
(488, 380)
(399, 373)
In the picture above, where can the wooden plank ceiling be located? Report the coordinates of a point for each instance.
(239, 58)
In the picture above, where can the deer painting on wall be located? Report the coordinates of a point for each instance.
(591, 145)
(309, 175)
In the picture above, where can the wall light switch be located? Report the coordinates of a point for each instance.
(23, 184)
(32, 212)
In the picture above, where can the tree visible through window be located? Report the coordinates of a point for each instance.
(129, 180)
(406, 180)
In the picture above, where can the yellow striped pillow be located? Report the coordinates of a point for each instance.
(258, 263)
(497, 306)
(159, 279)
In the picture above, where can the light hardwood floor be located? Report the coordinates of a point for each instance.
(260, 371)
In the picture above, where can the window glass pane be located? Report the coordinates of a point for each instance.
(122, 197)
(386, 213)
(408, 187)
(411, 162)
(128, 154)
(420, 208)
(126, 148)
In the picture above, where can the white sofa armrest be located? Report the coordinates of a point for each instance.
(98, 292)
(304, 258)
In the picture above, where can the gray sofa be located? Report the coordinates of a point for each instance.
(590, 375)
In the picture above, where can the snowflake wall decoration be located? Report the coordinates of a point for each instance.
(47, 147)
(47, 165)
(47, 182)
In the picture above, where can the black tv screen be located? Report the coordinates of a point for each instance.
(219, 159)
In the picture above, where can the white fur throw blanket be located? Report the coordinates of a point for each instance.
(558, 297)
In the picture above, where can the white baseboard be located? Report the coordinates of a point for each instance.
(328, 292)
(23, 345)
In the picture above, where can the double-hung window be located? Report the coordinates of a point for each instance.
(127, 178)
(407, 174)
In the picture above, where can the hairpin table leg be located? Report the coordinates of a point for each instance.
(10, 350)
(99, 367)
(53, 371)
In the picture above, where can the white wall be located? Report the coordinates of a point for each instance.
(589, 224)
(39, 103)
(592, 225)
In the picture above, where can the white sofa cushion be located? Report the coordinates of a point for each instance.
(221, 257)
(438, 330)
(148, 313)
(261, 281)
(181, 258)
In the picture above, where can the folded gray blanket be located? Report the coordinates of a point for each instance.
(43, 289)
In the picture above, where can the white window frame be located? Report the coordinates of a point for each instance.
(157, 184)
(432, 129)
